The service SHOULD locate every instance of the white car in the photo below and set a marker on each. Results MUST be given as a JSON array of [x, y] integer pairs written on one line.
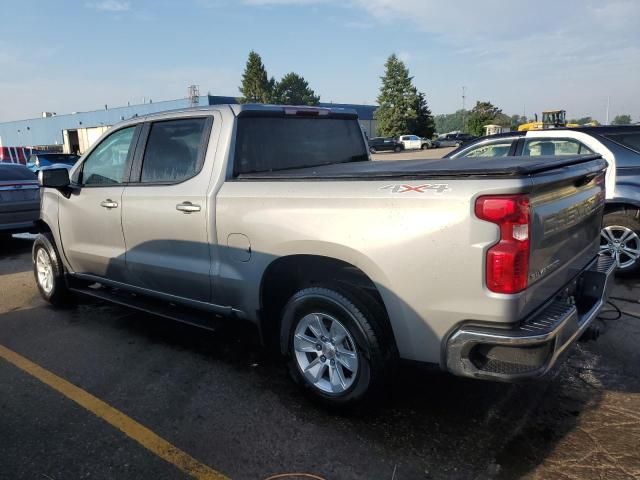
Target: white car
[[414, 142]]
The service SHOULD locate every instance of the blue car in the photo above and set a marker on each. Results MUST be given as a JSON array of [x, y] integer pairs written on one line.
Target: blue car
[[40, 160]]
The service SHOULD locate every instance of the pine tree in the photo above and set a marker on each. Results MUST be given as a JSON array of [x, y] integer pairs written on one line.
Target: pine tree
[[424, 124], [397, 111], [256, 87], [293, 89]]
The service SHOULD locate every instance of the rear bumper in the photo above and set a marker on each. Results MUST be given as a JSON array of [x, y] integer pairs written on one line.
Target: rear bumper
[[534, 345]]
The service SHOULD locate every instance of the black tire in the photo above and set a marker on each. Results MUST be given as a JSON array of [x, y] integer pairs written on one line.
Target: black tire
[[629, 220], [364, 319], [425, 146], [397, 149], [59, 294], [373, 150]]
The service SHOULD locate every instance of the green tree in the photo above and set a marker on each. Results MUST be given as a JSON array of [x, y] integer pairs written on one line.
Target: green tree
[[622, 120], [517, 120], [581, 120], [482, 114], [256, 87], [397, 99], [423, 125], [450, 122], [293, 89]]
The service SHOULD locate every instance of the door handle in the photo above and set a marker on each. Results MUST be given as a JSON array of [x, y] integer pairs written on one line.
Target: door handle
[[108, 203], [187, 207]]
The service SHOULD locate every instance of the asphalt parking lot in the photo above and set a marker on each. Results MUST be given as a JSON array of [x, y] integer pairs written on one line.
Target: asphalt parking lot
[[220, 400]]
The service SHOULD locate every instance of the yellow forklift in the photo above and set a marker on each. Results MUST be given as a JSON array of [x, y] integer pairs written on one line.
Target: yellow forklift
[[550, 119]]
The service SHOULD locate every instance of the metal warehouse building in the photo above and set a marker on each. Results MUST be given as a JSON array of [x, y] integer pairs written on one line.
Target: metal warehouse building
[[77, 131]]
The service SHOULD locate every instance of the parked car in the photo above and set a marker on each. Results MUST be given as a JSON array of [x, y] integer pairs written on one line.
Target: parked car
[[276, 215], [385, 144], [414, 142], [19, 199], [452, 140], [619, 145], [40, 160]]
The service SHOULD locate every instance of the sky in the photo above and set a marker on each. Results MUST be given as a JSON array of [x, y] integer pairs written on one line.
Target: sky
[[524, 57]]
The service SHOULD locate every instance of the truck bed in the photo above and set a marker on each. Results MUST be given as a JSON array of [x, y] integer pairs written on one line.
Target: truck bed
[[512, 167]]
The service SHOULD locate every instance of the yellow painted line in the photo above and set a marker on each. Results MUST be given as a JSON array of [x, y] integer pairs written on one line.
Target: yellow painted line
[[116, 418]]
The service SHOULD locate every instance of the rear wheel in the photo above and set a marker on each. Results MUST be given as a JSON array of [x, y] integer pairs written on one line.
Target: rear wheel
[[425, 146], [49, 272], [336, 345], [397, 149], [620, 239], [373, 150]]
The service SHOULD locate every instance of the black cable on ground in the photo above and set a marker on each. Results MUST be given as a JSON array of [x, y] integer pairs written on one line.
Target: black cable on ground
[[617, 313]]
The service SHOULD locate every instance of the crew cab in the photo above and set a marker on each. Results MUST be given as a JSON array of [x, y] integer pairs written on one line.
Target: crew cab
[[619, 145], [276, 215]]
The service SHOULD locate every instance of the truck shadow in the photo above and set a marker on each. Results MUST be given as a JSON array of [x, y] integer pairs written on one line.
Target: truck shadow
[[428, 421]]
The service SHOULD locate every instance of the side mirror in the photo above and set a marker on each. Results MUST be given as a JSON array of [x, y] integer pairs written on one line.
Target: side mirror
[[54, 178]]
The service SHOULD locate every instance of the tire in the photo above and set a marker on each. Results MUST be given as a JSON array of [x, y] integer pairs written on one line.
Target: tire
[[373, 150], [346, 371], [49, 271], [397, 149], [424, 146], [620, 239]]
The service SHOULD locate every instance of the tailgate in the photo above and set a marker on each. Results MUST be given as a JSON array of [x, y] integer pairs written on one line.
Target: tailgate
[[566, 216]]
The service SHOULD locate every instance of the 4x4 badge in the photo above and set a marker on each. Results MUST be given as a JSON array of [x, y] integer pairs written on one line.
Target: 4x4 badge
[[403, 188]]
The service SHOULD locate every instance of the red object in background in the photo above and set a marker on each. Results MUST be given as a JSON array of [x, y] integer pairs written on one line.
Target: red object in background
[[16, 154]]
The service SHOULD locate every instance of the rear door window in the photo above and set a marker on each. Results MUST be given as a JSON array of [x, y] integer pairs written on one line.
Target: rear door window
[[551, 146], [266, 144], [493, 149], [175, 150]]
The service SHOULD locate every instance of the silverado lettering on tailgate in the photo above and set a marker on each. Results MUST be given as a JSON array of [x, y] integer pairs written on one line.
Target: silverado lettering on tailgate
[[572, 215]]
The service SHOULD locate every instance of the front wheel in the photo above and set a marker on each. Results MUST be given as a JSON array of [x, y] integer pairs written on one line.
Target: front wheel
[[397, 149], [49, 272], [620, 239], [336, 345], [373, 150]]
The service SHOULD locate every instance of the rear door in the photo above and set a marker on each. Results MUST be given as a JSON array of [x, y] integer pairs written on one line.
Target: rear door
[[166, 211], [90, 218]]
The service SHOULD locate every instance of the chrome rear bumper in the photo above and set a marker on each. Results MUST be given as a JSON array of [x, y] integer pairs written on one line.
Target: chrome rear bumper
[[533, 346]]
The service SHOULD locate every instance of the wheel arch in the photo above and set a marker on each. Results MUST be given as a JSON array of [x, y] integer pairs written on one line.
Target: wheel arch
[[288, 274]]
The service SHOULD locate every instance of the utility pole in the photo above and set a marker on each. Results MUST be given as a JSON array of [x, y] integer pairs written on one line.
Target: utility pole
[[608, 103], [463, 107]]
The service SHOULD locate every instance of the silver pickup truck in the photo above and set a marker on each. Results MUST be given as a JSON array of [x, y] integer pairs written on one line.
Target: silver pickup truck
[[277, 215]]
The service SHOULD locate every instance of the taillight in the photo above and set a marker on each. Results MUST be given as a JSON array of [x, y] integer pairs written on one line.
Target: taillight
[[508, 260]]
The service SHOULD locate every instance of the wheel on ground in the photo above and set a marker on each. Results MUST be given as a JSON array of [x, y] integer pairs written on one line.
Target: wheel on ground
[[49, 272], [620, 239], [335, 344], [424, 146], [397, 149], [373, 150]]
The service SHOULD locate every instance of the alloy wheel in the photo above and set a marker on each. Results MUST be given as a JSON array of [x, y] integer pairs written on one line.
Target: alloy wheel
[[325, 353], [44, 270], [620, 243]]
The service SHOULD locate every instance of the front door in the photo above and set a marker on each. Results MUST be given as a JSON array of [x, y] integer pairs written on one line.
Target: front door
[[165, 210], [90, 219]]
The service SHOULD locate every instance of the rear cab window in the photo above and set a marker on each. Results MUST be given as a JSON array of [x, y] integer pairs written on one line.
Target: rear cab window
[[271, 143]]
